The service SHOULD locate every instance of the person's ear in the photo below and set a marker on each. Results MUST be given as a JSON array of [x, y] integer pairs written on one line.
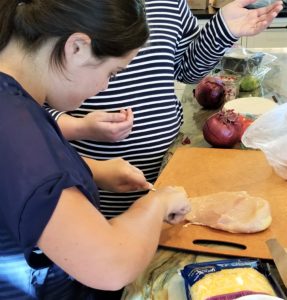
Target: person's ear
[[78, 49]]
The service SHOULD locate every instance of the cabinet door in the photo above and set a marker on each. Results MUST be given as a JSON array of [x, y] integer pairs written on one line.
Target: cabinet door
[[271, 38], [274, 36]]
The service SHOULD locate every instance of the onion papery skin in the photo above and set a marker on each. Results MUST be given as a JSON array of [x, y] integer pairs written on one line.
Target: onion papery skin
[[222, 132]]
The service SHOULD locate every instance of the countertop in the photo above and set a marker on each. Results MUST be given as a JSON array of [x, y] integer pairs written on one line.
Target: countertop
[[273, 84], [161, 280]]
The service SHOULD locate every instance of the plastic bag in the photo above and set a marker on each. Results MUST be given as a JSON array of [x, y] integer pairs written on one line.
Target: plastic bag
[[247, 67], [229, 279], [241, 61], [269, 134]]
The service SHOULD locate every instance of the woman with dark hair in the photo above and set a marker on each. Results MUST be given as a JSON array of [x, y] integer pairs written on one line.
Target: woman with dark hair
[[53, 239], [139, 116]]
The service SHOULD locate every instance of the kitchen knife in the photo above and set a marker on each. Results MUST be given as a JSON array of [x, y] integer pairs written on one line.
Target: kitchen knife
[[279, 256]]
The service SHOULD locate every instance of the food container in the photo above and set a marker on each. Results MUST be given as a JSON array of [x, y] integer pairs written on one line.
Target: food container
[[250, 107], [230, 279], [231, 83]]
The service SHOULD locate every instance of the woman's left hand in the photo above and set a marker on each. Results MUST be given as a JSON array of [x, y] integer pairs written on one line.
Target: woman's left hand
[[247, 22]]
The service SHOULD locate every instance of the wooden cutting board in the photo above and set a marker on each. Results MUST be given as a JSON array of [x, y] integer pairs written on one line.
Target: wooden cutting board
[[204, 171]]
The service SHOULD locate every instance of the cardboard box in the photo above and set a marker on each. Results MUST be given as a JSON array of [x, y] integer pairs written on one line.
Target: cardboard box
[[198, 4]]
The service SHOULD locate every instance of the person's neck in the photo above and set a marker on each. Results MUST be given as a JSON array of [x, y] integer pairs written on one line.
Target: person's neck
[[25, 69]]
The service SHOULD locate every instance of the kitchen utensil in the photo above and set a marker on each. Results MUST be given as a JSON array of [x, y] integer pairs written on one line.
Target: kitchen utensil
[[279, 256]]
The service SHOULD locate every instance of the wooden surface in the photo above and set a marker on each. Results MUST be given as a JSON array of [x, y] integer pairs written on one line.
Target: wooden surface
[[208, 170]]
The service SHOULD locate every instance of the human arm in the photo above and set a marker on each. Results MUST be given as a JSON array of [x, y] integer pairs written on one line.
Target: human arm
[[108, 254], [117, 175], [199, 51], [98, 125]]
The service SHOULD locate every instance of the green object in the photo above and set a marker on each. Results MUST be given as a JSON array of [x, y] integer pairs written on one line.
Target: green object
[[249, 83]]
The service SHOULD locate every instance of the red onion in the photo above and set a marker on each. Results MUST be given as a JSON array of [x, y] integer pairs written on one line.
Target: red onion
[[210, 92], [223, 129]]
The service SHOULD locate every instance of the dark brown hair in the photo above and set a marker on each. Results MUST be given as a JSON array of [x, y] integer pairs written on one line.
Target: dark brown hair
[[114, 26]]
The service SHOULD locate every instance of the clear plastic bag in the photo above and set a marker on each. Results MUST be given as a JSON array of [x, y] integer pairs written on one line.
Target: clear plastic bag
[[229, 279], [241, 61], [249, 68], [269, 134]]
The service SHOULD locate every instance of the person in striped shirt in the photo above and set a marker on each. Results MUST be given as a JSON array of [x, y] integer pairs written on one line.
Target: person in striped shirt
[[139, 116], [54, 242]]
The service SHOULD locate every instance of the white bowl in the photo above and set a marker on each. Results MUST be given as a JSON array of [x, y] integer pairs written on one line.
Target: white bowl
[[250, 106]]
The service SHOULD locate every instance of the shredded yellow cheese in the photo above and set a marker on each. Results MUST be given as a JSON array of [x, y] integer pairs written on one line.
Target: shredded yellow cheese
[[231, 281]]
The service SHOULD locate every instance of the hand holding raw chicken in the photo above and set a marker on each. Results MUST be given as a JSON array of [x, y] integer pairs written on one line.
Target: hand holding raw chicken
[[176, 203]]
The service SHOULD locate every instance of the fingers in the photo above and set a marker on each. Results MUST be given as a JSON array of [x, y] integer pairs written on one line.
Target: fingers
[[177, 203], [115, 116], [129, 114], [118, 132], [147, 186], [124, 115], [256, 20], [134, 180], [271, 10], [174, 218], [244, 3], [265, 17], [114, 126], [139, 181]]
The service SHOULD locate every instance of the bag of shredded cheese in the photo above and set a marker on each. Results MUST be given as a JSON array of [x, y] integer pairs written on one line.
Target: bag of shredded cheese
[[226, 280]]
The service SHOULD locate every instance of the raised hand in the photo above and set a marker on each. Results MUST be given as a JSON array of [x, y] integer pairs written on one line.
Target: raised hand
[[247, 22]]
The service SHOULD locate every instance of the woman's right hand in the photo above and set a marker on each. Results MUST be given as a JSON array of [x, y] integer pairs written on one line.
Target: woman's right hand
[[175, 201]]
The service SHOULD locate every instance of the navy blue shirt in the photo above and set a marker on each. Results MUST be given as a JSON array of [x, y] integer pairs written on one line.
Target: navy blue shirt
[[36, 165]]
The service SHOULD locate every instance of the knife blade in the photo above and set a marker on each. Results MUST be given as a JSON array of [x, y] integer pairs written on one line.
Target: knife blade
[[279, 256]]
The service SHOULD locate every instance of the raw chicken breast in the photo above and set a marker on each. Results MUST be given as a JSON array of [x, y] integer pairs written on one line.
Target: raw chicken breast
[[236, 212]]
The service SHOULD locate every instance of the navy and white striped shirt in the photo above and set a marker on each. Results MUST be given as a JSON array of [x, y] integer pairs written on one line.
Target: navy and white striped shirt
[[177, 50]]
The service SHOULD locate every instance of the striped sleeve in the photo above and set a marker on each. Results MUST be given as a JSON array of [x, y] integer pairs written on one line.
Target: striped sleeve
[[53, 112], [200, 50]]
